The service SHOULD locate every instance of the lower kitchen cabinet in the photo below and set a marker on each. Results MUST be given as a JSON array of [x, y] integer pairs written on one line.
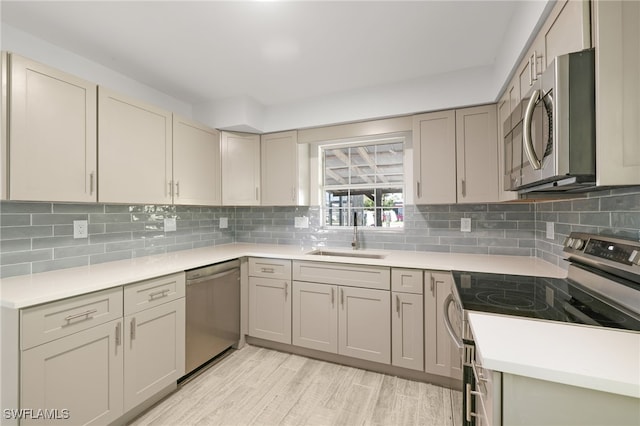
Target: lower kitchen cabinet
[[81, 373], [407, 331], [270, 309], [363, 324], [407, 319], [154, 351], [344, 320], [90, 364], [441, 355], [315, 316]]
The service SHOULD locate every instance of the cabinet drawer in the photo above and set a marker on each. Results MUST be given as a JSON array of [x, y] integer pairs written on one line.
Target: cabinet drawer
[[154, 292], [406, 280], [377, 277], [270, 268], [51, 321]]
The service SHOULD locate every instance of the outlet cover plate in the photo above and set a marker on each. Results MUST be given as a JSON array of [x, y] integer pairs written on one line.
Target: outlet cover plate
[[80, 229], [465, 224], [224, 222], [301, 222], [169, 224], [550, 231]]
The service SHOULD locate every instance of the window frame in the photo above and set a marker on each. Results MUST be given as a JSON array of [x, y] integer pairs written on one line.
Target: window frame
[[387, 139]]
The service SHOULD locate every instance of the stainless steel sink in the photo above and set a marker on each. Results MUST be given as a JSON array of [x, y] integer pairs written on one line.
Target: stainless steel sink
[[358, 254]]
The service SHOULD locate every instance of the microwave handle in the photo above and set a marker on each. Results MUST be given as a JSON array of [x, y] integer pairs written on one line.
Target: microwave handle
[[528, 141], [447, 321]]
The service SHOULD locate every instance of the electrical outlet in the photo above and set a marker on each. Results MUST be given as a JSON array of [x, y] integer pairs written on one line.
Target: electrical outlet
[[224, 222], [465, 224], [80, 229], [169, 224], [301, 222], [550, 231]]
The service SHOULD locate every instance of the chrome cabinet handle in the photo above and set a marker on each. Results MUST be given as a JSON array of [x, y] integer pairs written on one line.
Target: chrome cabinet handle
[[528, 141], [118, 334], [418, 189], [170, 192], [286, 289], [433, 287], [257, 195], [133, 328], [267, 270], [332, 296], [87, 314], [447, 322], [464, 188], [177, 188], [159, 294], [398, 305], [91, 177], [342, 298]]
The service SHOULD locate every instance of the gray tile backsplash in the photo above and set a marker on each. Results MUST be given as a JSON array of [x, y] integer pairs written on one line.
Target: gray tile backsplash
[[614, 212], [38, 237]]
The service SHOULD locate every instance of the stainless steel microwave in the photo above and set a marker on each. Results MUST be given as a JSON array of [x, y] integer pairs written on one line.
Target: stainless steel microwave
[[550, 137]]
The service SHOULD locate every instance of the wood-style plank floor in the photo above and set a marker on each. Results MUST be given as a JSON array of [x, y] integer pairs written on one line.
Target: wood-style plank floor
[[257, 386]]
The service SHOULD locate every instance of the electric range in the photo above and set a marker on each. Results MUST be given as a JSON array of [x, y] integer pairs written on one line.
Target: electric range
[[602, 289]]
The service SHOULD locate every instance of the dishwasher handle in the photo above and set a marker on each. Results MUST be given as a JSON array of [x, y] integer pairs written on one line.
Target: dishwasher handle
[[211, 277]]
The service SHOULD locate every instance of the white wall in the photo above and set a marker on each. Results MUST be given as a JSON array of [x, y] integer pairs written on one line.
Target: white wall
[[17, 41]]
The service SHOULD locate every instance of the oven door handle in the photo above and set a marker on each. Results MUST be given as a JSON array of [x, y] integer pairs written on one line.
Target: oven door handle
[[528, 141], [447, 321]]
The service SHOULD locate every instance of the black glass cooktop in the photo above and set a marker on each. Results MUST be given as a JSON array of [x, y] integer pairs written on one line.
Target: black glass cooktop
[[541, 298]]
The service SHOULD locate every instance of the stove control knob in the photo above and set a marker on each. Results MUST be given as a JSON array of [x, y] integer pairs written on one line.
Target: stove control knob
[[568, 242], [578, 244]]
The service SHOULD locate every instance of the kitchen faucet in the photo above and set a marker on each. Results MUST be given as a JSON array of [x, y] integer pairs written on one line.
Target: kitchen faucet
[[354, 243]]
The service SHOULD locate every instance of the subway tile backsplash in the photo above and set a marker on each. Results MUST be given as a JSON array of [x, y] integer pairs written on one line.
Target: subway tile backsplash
[[38, 237]]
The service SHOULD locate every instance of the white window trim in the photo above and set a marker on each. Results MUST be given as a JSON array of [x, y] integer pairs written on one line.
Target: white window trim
[[316, 171]]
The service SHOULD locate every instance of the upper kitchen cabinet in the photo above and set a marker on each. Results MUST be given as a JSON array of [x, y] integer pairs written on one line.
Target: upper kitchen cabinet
[[240, 169], [196, 163], [434, 154], [617, 42], [566, 30], [477, 154], [505, 147], [134, 151], [285, 170], [51, 141]]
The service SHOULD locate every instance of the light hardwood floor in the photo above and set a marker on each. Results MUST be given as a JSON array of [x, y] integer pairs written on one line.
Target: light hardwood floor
[[257, 386]]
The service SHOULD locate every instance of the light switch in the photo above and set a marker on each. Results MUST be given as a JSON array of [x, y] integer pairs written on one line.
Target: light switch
[[224, 222], [169, 224]]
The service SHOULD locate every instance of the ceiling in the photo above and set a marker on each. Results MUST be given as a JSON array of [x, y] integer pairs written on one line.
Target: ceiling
[[274, 53]]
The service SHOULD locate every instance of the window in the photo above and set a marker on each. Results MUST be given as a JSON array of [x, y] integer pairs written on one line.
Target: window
[[365, 179]]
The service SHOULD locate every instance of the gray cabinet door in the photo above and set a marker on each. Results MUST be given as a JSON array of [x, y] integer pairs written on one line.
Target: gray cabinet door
[[407, 331], [81, 373], [315, 316], [364, 329], [270, 309]]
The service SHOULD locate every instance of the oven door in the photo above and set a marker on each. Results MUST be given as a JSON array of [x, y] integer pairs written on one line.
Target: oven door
[[453, 316], [538, 157]]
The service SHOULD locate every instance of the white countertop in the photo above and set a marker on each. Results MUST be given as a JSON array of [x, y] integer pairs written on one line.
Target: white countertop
[[28, 290], [589, 357]]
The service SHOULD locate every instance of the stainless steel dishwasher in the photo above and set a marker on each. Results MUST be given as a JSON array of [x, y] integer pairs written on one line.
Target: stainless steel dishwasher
[[213, 312]]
